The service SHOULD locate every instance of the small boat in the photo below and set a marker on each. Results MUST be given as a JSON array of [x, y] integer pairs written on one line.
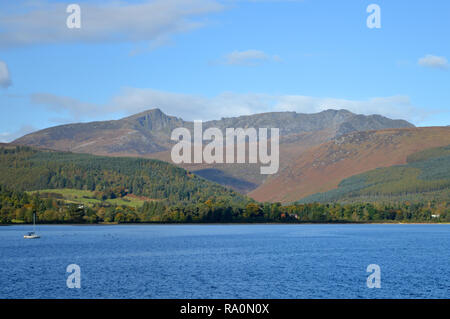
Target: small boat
[[32, 234]]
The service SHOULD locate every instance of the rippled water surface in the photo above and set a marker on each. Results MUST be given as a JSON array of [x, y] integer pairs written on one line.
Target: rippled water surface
[[226, 261]]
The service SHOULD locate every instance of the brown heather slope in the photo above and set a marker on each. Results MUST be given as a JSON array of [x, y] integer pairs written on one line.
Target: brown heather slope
[[322, 167], [247, 177]]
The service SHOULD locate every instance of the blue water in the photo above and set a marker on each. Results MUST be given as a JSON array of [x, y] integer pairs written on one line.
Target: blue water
[[226, 261]]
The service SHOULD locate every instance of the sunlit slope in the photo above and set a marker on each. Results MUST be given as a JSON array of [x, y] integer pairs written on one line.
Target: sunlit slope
[[425, 177], [322, 168]]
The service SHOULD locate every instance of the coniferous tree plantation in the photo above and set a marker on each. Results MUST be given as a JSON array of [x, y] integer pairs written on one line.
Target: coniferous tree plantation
[[27, 169]]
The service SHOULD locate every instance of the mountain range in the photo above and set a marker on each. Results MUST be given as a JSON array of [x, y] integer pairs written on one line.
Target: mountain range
[[317, 151], [149, 132]]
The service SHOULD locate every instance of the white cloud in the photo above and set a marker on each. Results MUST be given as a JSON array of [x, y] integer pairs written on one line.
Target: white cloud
[[433, 61], [76, 108], [7, 137], [5, 77], [44, 22], [248, 58], [227, 104], [189, 107]]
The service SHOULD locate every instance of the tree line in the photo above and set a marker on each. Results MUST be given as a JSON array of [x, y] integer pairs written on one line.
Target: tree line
[[19, 207]]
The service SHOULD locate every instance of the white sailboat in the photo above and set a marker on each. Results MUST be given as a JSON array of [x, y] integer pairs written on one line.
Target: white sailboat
[[32, 235]]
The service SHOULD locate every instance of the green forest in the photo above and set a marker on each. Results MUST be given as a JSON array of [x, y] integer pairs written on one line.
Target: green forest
[[26, 169]]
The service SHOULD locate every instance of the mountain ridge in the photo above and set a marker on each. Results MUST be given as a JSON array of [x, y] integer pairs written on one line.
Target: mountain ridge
[[154, 127]]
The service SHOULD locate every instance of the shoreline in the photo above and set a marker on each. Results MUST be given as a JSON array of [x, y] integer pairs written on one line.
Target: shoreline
[[230, 224]]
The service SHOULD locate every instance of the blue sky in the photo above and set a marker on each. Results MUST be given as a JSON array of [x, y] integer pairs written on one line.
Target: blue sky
[[206, 59]]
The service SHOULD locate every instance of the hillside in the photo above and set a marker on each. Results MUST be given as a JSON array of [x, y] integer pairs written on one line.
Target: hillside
[[321, 168], [425, 177], [140, 134], [147, 135], [27, 169]]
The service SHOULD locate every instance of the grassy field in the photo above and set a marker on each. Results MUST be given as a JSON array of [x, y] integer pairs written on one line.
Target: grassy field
[[87, 198]]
